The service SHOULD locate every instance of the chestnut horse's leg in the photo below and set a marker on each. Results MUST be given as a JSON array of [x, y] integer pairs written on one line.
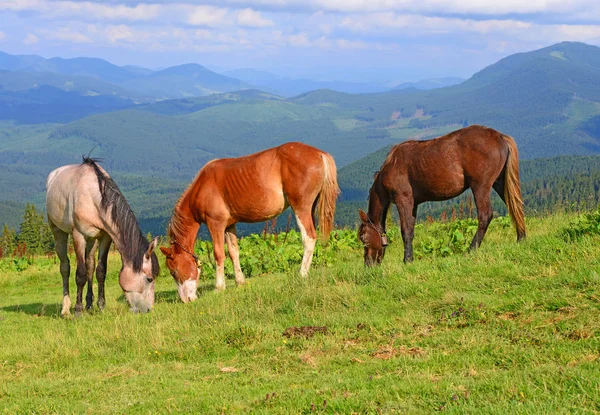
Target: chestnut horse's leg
[[103, 249], [79, 244], [234, 253], [309, 238], [61, 244], [217, 233], [407, 209], [485, 212], [90, 265]]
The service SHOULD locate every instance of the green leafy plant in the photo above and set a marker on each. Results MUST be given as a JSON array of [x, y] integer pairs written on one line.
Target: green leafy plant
[[585, 224]]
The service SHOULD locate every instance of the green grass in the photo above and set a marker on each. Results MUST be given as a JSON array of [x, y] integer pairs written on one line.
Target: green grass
[[512, 328]]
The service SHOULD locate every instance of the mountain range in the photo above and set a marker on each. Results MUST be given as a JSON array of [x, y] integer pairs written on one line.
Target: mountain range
[[548, 100]]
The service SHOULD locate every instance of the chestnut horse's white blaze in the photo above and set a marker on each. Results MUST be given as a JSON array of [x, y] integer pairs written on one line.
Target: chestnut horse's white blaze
[[82, 200], [253, 188]]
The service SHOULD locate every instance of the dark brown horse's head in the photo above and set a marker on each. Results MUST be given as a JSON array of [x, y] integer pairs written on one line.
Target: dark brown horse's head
[[185, 269], [373, 239]]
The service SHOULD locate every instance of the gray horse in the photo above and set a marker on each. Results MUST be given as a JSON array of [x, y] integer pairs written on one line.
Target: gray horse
[[84, 201]]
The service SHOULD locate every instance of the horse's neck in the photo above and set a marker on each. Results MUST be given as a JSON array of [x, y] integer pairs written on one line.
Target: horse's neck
[[188, 226], [379, 203], [121, 240]]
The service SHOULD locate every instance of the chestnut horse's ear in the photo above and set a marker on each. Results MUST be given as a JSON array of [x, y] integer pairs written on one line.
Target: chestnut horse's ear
[[363, 215], [166, 251], [152, 247]]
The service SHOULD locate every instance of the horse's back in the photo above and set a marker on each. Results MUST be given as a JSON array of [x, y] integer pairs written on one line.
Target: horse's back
[[272, 176], [72, 192], [443, 167]]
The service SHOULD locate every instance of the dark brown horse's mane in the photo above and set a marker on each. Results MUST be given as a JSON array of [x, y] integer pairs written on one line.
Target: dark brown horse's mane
[[133, 244]]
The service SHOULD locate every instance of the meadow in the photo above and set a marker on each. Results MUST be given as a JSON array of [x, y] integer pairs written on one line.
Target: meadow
[[511, 328]]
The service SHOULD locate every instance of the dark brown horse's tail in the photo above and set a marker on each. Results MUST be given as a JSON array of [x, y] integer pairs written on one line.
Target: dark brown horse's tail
[[512, 187], [327, 197]]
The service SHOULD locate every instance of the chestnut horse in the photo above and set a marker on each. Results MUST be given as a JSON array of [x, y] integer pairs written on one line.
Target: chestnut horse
[[84, 201], [414, 172], [253, 188]]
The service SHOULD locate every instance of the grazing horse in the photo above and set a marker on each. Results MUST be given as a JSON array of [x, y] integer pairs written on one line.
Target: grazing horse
[[414, 172], [253, 188], [84, 201]]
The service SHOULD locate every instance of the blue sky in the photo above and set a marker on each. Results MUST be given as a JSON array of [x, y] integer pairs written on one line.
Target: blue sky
[[385, 41]]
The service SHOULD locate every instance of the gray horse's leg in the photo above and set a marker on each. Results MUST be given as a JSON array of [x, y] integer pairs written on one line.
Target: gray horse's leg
[[61, 241], [90, 264], [103, 249], [79, 243]]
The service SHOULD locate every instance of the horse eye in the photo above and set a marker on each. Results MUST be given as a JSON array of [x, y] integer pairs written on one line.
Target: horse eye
[[149, 279]]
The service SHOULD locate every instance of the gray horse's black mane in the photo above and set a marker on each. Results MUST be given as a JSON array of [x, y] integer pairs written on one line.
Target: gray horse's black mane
[[133, 244]]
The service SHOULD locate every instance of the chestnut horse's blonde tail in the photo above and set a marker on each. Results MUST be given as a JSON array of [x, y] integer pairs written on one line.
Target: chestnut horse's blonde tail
[[512, 187], [327, 197]]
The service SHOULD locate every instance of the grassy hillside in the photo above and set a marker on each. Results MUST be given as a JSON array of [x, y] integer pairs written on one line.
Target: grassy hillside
[[549, 100], [512, 328]]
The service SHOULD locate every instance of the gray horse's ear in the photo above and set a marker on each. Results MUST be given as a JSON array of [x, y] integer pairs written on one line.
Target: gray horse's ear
[[363, 215], [152, 247]]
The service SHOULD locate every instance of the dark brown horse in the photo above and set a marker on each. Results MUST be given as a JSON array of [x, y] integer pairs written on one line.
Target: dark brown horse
[[414, 172], [253, 188]]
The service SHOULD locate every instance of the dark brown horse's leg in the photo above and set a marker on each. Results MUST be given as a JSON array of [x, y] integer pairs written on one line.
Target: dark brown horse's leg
[[499, 186], [217, 233], [90, 265], [407, 209], [103, 249], [79, 244], [234, 254], [484, 213], [61, 240]]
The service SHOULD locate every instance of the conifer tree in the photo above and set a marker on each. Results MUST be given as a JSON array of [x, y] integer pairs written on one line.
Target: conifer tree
[[8, 241], [34, 232]]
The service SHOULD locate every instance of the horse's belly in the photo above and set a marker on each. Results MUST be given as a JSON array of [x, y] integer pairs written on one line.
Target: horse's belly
[[263, 205], [60, 213], [441, 187]]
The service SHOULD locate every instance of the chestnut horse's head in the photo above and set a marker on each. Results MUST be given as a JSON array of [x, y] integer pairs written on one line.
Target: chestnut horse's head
[[373, 239], [185, 269]]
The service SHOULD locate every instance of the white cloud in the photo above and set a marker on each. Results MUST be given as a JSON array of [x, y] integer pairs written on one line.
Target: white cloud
[[299, 41], [486, 7], [203, 34], [575, 32], [206, 16], [66, 34], [31, 39], [418, 24], [119, 33], [251, 18], [85, 10]]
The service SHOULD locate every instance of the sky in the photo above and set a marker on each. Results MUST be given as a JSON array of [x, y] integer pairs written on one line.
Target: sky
[[383, 41]]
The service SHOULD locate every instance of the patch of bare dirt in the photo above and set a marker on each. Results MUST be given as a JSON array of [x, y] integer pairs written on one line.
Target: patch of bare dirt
[[304, 331], [388, 351]]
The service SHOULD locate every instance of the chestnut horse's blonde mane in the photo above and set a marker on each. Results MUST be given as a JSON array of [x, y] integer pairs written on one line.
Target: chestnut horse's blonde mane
[[177, 227]]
